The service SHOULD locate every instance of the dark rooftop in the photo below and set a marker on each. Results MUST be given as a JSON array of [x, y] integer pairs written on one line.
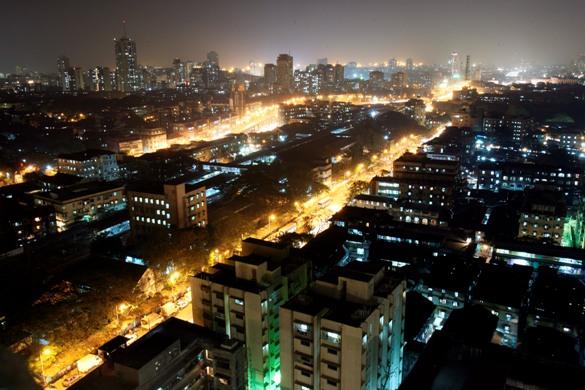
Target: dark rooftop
[[79, 191], [85, 155]]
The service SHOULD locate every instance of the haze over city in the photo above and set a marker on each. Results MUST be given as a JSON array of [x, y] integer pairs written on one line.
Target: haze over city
[[292, 195], [499, 32]]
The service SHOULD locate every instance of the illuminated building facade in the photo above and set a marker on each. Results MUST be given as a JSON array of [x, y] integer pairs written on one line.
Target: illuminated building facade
[[127, 72], [83, 202], [517, 176], [416, 109], [345, 332], [100, 79], [175, 204], [242, 297], [542, 217], [92, 164]]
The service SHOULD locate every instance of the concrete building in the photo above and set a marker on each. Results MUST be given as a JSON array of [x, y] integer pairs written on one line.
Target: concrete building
[[242, 299], [153, 139], [174, 355], [346, 332], [84, 202], [91, 164], [503, 290], [177, 204], [420, 179], [416, 109], [269, 76], [127, 72], [542, 217], [284, 72]]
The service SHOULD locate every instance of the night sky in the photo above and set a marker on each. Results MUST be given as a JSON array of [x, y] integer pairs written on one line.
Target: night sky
[[501, 32]]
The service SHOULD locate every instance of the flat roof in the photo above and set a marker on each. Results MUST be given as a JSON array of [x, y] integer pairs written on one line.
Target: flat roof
[[80, 190], [85, 155], [503, 285]]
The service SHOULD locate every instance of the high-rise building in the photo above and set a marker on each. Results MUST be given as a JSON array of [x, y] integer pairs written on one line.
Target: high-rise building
[[237, 98], [346, 332], [398, 80], [409, 64], [580, 63], [180, 76], [213, 57], [284, 72], [63, 67], [99, 79], [241, 298], [269, 76], [322, 61], [454, 64], [79, 81], [211, 71], [468, 68], [339, 74], [376, 80], [392, 64], [127, 72]]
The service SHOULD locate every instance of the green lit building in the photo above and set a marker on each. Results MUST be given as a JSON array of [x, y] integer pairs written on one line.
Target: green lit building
[[242, 297]]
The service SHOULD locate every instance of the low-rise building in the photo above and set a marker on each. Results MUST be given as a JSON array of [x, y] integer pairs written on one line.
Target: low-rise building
[[174, 355], [542, 217], [92, 164], [83, 202], [178, 204], [503, 290]]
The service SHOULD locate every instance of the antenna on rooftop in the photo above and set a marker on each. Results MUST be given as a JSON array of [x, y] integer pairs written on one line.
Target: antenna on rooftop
[[124, 27]]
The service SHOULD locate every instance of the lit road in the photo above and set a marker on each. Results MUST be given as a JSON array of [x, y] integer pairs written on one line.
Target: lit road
[[314, 214]]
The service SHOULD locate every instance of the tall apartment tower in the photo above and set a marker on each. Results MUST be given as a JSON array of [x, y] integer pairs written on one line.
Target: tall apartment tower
[[468, 68], [269, 76], [237, 99], [346, 332], [284, 72], [127, 74], [63, 66], [454, 64], [242, 297]]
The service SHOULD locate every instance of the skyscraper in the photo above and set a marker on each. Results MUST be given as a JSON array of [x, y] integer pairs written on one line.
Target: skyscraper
[[284, 72], [99, 79], [322, 61], [269, 74], [211, 71], [213, 57], [237, 98], [467, 68], [393, 63], [409, 64], [62, 66], [454, 63], [127, 75], [339, 74]]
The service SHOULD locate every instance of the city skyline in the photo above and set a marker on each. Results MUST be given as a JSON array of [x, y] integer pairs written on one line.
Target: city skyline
[[342, 32]]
